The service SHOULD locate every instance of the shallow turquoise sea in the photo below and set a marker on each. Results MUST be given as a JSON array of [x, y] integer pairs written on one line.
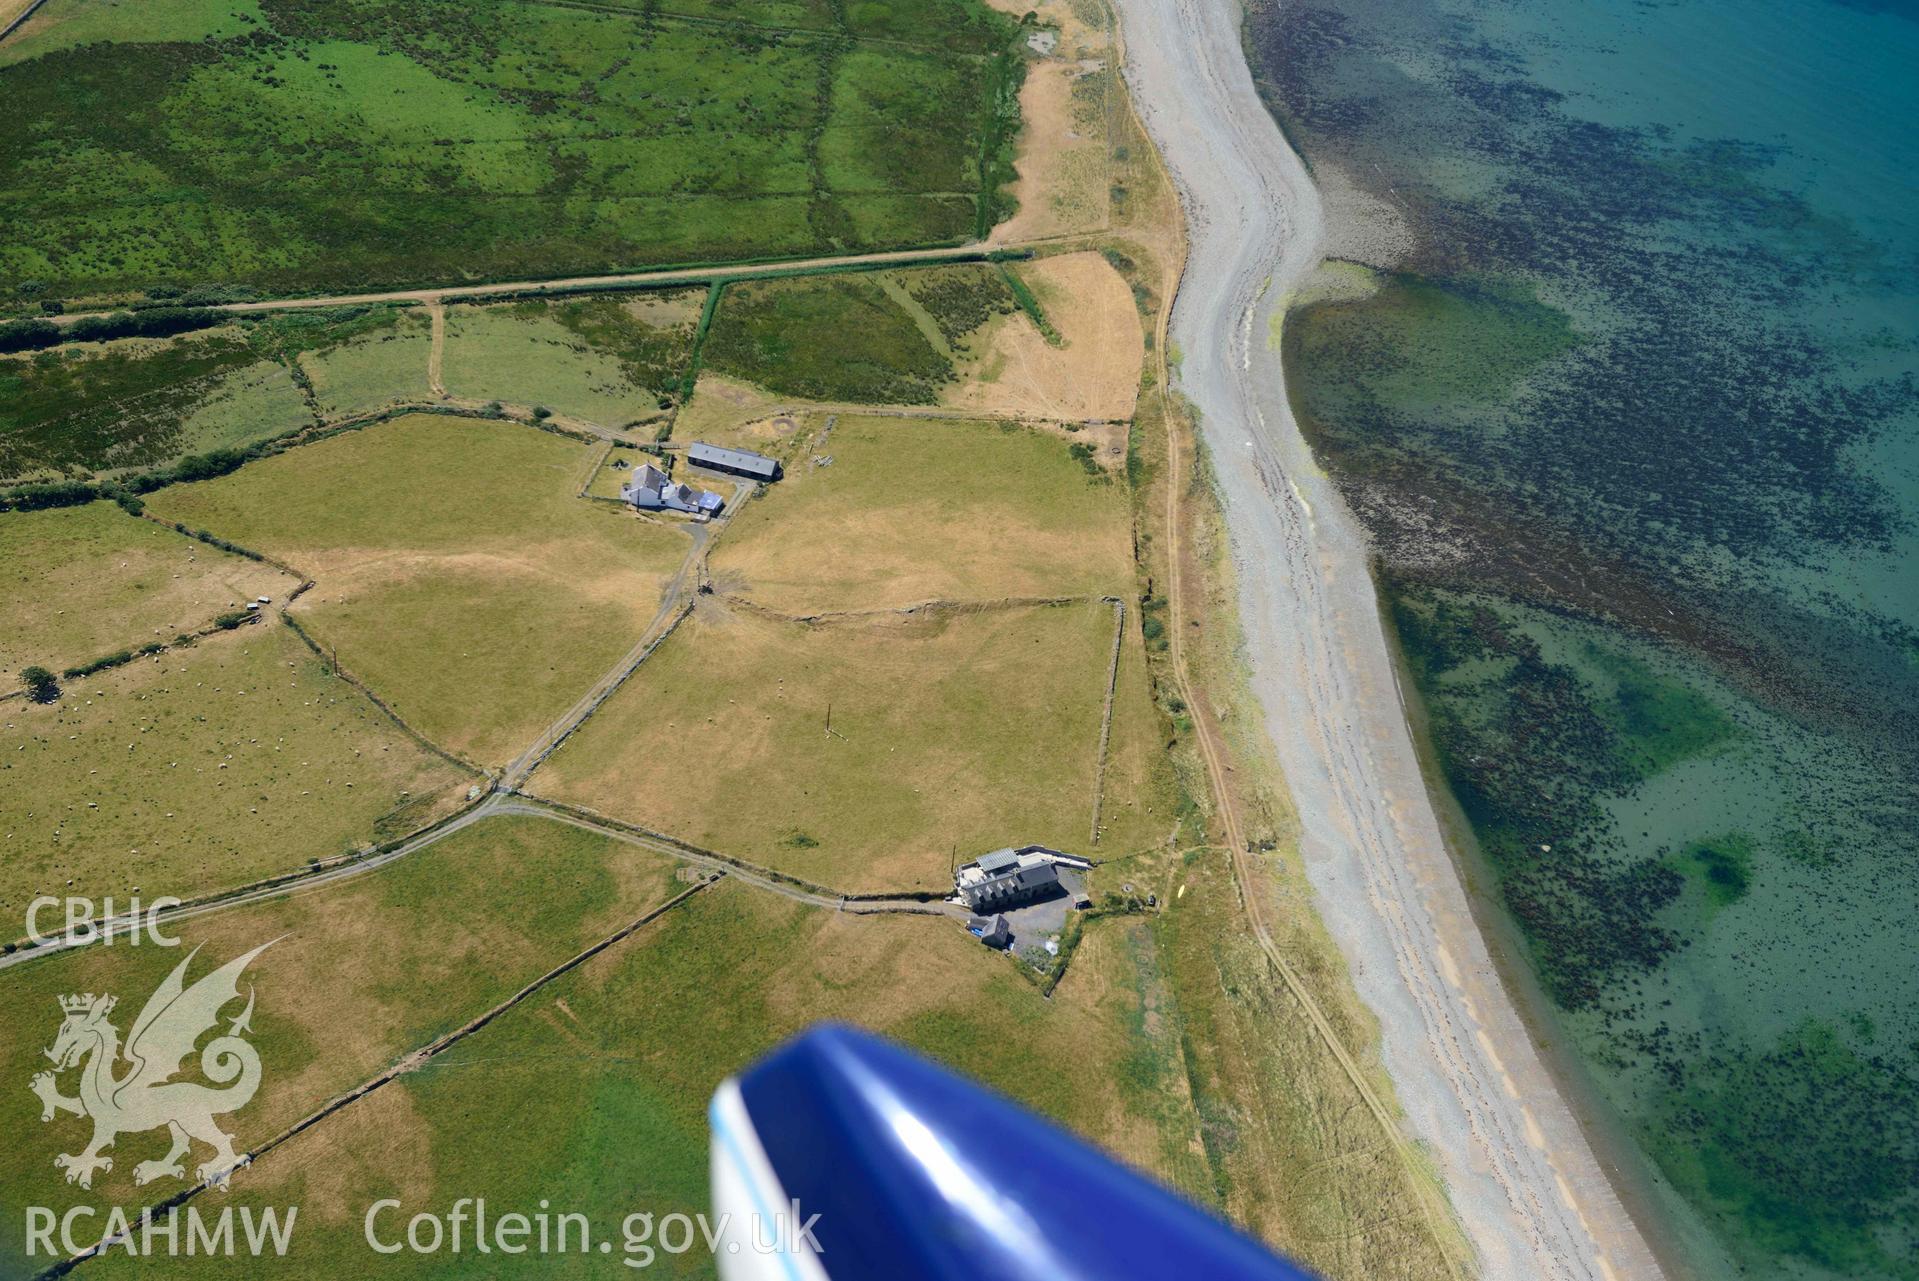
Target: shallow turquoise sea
[[1634, 420]]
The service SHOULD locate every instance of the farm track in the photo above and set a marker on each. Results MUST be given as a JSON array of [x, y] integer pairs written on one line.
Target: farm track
[[676, 601], [298, 883], [19, 19], [436, 354], [626, 280], [930, 413], [746, 873], [501, 805], [935, 606], [1106, 714], [675, 604]]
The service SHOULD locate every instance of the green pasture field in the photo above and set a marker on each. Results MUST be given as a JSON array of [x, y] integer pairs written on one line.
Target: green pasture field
[[363, 972], [605, 359], [920, 509], [77, 23], [312, 331], [953, 24], [79, 583], [206, 767], [326, 145], [1119, 973], [952, 734], [262, 401], [138, 402], [458, 574], [605, 1076], [375, 359], [829, 338]]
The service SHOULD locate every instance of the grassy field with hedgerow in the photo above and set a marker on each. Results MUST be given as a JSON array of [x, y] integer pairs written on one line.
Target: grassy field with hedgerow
[[201, 768], [336, 144], [456, 571], [608, 359], [358, 974], [534, 773], [609, 1068]]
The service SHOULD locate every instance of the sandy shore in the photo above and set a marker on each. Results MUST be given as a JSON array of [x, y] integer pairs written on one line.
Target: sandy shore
[[1521, 1174]]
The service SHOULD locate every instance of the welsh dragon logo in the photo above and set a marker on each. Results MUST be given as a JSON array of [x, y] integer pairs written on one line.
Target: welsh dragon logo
[[128, 1089]]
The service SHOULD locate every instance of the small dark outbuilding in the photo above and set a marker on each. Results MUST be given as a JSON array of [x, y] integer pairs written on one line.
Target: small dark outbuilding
[[990, 930]]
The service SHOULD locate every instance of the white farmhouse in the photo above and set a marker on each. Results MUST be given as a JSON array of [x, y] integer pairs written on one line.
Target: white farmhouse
[[651, 490]]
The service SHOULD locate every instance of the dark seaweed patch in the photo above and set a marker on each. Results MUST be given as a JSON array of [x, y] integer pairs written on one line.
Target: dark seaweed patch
[[1530, 757], [1809, 1143], [1726, 864]]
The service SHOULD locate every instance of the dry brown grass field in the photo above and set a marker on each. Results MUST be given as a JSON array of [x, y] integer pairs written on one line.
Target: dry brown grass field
[[1063, 165], [202, 768], [1140, 788], [952, 734], [726, 411], [929, 509], [1069, 107], [12, 9], [78, 583], [1094, 371], [610, 1069], [360, 973], [458, 573], [1297, 1159]]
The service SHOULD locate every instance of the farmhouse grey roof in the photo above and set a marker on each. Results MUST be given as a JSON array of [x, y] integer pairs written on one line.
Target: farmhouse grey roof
[[651, 490], [738, 461], [1004, 878]]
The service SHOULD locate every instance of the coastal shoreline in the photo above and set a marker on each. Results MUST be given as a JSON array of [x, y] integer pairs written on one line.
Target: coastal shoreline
[[1475, 1090]]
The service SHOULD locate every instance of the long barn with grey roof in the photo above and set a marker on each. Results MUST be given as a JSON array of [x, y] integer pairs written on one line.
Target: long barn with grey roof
[[738, 462]]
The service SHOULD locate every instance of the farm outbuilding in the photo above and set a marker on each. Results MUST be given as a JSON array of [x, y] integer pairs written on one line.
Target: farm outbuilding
[[735, 462], [991, 931]]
